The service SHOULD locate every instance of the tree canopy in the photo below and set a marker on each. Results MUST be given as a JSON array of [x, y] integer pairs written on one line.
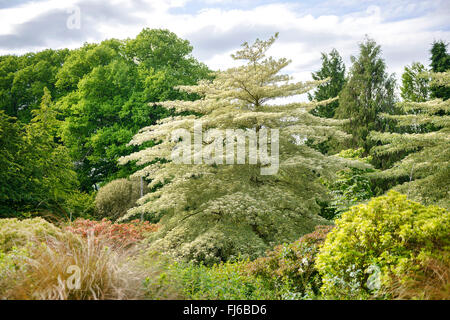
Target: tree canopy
[[112, 83], [333, 68], [38, 170], [440, 62], [368, 92], [212, 210], [425, 171]]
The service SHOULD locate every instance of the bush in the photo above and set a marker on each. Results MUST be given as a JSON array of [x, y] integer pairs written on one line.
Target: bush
[[114, 234], [223, 281], [115, 198], [43, 271], [80, 204], [380, 244], [36, 258], [17, 233], [293, 263], [351, 187]]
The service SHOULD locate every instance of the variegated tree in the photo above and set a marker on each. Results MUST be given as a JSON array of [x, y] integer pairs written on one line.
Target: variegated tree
[[211, 210], [425, 171]]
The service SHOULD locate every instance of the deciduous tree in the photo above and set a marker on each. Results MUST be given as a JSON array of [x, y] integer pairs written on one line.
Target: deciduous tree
[[333, 68], [212, 210]]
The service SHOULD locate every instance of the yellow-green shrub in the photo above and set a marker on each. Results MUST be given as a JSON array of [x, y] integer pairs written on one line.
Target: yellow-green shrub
[[293, 264], [115, 198], [379, 243], [16, 233]]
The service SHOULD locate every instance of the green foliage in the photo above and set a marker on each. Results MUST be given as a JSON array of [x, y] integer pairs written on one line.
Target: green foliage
[[215, 212], [293, 264], [424, 172], [440, 62], [38, 169], [351, 185], [23, 79], [368, 92], [116, 197], [53, 172], [224, 281], [17, 233], [112, 83], [415, 84], [333, 68], [374, 243], [80, 205], [161, 50], [82, 61], [11, 166]]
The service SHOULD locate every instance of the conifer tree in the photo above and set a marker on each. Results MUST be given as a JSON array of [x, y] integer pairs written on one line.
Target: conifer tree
[[440, 62], [333, 68], [211, 210], [425, 171], [368, 92], [38, 171]]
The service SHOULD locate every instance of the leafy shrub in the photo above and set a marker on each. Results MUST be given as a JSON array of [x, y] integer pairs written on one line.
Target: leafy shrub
[[115, 198], [80, 204], [35, 257], [293, 263], [387, 241], [114, 234], [223, 281], [17, 233], [159, 282]]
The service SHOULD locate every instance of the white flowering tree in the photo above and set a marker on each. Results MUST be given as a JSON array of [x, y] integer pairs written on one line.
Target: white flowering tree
[[213, 210], [425, 171]]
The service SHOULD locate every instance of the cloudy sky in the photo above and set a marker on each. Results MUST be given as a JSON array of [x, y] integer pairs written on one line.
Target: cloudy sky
[[405, 29]]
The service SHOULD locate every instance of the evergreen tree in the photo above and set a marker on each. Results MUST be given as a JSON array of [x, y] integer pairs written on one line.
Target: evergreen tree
[[415, 85], [23, 79], [425, 171], [39, 171], [12, 181], [211, 210], [440, 62], [333, 68], [51, 167], [368, 92]]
